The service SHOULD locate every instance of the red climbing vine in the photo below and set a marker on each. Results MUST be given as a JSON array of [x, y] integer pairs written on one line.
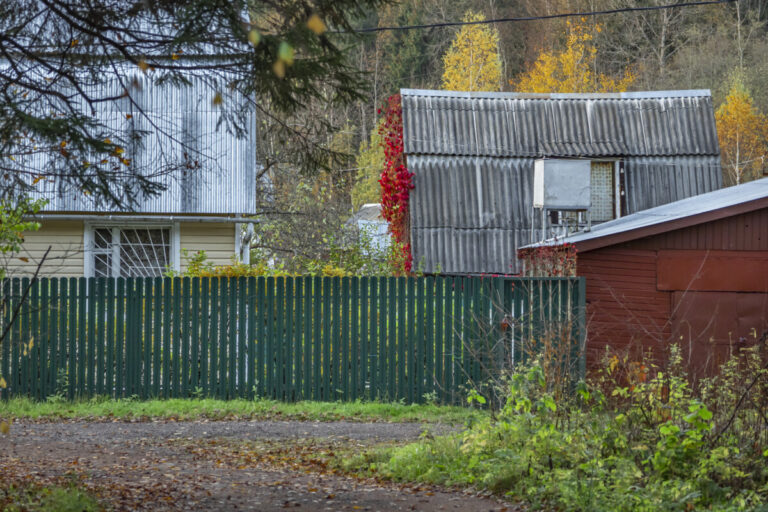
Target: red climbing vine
[[549, 260], [396, 183]]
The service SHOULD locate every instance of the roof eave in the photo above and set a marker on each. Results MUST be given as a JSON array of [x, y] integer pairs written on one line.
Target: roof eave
[[599, 242]]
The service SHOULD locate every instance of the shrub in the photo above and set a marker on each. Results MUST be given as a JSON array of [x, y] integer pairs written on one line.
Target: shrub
[[636, 437]]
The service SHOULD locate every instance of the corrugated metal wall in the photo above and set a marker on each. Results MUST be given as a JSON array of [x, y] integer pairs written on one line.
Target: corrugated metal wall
[[469, 215], [473, 157], [182, 125], [653, 181]]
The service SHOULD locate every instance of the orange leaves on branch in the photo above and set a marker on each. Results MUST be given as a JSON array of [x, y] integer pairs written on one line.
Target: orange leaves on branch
[[315, 24], [743, 134], [572, 69], [472, 63]]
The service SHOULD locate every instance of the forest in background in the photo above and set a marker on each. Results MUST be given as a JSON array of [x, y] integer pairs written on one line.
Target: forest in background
[[720, 47]]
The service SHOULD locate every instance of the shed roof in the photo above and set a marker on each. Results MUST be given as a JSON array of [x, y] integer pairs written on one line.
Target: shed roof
[[694, 210], [650, 123]]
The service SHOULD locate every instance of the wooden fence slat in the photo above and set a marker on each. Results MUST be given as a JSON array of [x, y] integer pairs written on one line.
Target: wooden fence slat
[[223, 338], [43, 357], [231, 339], [213, 340], [242, 326], [53, 340], [411, 332], [343, 384], [157, 345], [298, 329], [315, 348], [261, 376], [358, 375], [24, 338], [33, 341], [204, 382], [309, 326], [100, 311], [147, 307], [5, 359], [269, 360], [167, 328], [335, 387], [251, 339], [184, 334], [287, 338]]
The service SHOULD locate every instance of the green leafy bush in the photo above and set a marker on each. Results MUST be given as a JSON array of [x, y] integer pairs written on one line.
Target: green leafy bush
[[642, 439]]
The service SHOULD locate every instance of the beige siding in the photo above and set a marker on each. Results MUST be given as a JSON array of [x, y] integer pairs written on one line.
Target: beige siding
[[65, 258], [217, 240]]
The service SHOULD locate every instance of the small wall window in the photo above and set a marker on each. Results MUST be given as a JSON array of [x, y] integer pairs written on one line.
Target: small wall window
[[130, 251], [603, 191]]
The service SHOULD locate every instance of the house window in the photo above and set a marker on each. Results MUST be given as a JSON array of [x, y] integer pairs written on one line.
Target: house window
[[603, 191], [130, 251]]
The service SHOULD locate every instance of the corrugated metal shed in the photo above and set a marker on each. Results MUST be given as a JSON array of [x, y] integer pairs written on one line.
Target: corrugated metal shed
[[182, 124], [472, 155]]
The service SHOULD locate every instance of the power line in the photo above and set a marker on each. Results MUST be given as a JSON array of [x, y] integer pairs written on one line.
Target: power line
[[546, 17]]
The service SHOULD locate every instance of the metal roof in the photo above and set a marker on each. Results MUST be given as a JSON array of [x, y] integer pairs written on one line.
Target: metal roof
[[651, 123], [181, 124], [686, 212]]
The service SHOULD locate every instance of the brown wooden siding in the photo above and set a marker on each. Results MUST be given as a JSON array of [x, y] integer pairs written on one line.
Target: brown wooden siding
[[624, 308], [745, 232]]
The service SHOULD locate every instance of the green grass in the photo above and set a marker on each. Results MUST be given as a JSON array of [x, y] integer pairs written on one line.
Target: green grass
[[46, 499], [192, 409]]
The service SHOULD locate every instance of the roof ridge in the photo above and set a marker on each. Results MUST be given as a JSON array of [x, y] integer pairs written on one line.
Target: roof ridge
[[682, 93]]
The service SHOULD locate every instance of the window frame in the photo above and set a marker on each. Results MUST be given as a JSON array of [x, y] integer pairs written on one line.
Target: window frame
[[89, 230], [557, 217]]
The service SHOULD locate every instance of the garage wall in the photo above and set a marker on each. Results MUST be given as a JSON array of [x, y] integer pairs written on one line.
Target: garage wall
[[625, 310], [704, 287], [745, 232]]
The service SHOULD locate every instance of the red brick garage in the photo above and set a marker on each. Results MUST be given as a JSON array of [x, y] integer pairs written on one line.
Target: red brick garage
[[694, 271]]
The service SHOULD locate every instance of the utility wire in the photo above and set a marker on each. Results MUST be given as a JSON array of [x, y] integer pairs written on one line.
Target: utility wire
[[535, 18]]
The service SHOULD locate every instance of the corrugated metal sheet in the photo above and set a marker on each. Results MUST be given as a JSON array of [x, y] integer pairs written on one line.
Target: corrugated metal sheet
[[519, 125], [182, 125], [471, 214], [654, 181]]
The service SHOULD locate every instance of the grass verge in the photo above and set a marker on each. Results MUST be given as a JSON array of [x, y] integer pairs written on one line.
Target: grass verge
[[37, 498], [195, 409]]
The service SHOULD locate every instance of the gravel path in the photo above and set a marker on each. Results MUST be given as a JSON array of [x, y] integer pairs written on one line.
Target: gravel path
[[244, 430], [219, 465]]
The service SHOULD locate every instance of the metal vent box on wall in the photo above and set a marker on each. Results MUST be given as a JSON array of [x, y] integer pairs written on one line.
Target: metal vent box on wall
[[560, 184]]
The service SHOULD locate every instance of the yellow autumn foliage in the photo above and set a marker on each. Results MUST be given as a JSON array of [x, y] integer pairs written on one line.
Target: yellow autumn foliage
[[572, 69], [743, 135], [472, 62]]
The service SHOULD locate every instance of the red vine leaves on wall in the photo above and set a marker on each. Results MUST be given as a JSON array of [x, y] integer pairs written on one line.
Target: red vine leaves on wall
[[396, 183]]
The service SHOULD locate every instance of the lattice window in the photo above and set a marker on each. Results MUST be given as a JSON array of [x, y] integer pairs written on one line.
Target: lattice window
[[131, 251], [603, 192]]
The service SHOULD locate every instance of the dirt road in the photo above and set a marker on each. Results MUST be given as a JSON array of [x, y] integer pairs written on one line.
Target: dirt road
[[233, 465]]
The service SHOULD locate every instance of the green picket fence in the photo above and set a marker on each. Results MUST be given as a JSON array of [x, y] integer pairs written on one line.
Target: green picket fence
[[292, 338]]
